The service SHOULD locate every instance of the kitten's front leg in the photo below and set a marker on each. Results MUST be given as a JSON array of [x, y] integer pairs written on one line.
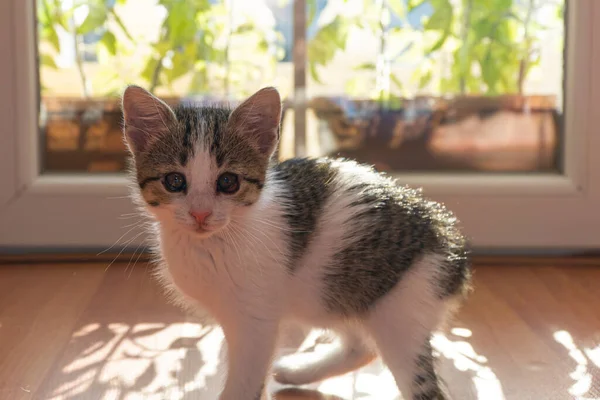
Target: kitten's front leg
[[251, 344]]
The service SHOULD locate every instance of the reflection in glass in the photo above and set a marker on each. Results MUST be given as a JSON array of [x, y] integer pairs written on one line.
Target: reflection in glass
[[434, 85]]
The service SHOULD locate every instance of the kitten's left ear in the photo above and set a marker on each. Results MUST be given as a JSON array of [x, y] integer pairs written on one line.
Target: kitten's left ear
[[146, 118], [258, 119]]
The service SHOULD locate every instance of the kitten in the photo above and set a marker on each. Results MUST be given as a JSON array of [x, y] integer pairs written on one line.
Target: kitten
[[326, 242]]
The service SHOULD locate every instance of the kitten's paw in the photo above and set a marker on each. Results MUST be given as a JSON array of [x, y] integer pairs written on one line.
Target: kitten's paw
[[324, 362], [297, 368]]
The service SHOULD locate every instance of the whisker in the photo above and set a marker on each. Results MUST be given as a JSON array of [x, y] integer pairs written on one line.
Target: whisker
[[131, 258], [118, 240], [147, 263], [262, 242], [123, 249], [255, 229], [227, 269], [126, 217], [237, 250], [253, 251], [137, 259], [240, 233], [140, 223]]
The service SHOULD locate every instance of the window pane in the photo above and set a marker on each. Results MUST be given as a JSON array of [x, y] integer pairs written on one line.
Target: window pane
[[183, 51], [434, 85], [437, 85]]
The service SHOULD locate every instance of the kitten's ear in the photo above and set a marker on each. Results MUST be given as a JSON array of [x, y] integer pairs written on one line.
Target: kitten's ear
[[146, 118], [258, 119]]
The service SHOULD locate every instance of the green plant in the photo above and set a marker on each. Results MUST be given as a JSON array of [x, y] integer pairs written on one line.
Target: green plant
[[332, 38], [486, 37], [198, 40], [529, 52], [53, 15], [494, 44]]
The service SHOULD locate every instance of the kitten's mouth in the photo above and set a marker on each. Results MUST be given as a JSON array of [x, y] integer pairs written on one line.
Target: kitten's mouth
[[204, 231]]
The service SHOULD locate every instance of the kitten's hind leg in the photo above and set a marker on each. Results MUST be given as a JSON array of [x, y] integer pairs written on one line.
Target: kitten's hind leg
[[402, 324], [346, 354], [415, 373]]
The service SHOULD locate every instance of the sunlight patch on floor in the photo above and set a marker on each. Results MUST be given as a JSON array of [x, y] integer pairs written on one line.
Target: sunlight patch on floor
[[185, 360], [583, 357], [148, 361], [465, 358]]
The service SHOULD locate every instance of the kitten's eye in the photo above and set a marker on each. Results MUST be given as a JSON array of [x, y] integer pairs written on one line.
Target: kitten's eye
[[228, 183], [174, 182]]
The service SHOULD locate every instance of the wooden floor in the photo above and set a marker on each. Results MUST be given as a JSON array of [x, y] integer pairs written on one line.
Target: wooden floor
[[77, 332]]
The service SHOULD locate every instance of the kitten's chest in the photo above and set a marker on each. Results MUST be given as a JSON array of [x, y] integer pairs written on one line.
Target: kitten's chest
[[215, 271], [194, 270]]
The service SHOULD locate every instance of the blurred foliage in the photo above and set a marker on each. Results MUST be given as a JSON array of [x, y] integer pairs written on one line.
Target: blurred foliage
[[196, 37], [485, 33], [55, 15], [492, 44], [195, 40]]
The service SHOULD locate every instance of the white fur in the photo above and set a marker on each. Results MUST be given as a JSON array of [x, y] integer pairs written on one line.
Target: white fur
[[238, 274], [402, 322]]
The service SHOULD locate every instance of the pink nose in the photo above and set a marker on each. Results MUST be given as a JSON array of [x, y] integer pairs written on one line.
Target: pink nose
[[200, 216]]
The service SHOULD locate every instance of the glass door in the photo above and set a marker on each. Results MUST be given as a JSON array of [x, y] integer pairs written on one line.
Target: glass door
[[487, 105]]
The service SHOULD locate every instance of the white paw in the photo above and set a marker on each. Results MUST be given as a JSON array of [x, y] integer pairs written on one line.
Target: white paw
[[297, 369]]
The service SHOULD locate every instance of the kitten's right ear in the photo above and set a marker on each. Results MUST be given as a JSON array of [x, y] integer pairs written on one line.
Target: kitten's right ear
[[146, 117]]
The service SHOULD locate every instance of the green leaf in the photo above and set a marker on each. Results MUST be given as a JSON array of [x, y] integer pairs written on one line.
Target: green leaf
[[148, 72], [394, 103], [330, 39], [109, 41], [43, 12], [49, 34], [181, 66], [441, 17], [181, 23], [489, 71], [162, 48], [412, 4], [396, 81], [47, 61], [397, 7], [95, 19], [425, 79], [354, 86], [311, 9], [263, 46], [199, 81], [244, 28], [440, 42], [314, 73], [560, 11], [365, 66], [121, 24], [190, 52]]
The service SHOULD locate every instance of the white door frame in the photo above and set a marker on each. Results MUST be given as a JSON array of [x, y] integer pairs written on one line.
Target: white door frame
[[498, 211]]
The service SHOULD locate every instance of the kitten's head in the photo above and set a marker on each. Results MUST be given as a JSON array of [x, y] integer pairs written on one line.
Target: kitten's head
[[199, 167]]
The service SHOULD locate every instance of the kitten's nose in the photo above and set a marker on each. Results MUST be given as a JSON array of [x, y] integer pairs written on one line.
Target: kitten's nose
[[200, 216]]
